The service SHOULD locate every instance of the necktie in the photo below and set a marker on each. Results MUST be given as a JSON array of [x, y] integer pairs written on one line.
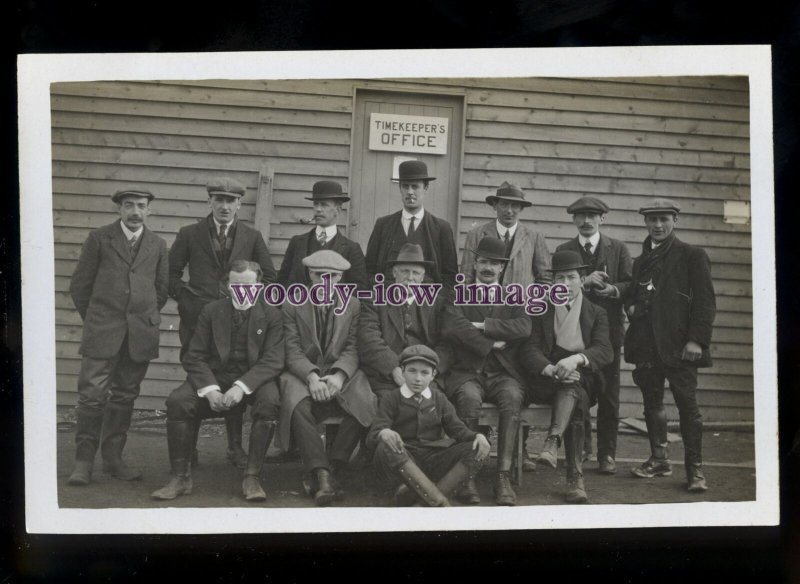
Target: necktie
[[588, 247], [322, 237], [222, 237], [568, 307], [132, 243], [418, 398], [411, 228], [507, 236]]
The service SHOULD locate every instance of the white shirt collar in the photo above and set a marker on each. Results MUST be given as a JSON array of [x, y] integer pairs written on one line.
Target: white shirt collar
[[217, 224], [654, 245], [407, 393], [330, 231], [128, 233], [419, 215], [501, 229], [594, 240]]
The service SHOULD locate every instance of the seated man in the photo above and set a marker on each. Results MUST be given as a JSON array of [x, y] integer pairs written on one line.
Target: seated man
[[416, 425], [485, 367], [568, 347], [234, 358], [322, 379]]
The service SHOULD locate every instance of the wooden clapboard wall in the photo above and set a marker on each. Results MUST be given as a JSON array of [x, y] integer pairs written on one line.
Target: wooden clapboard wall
[[621, 139]]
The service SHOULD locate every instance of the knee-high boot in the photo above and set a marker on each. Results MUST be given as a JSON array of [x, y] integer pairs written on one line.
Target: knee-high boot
[[573, 451], [116, 421], [507, 430], [233, 424], [87, 438], [179, 443], [468, 494], [418, 482], [261, 433]]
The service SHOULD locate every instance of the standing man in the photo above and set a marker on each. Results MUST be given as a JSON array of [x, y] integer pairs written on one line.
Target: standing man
[[485, 367], [609, 275], [327, 198], [119, 287], [208, 248], [413, 225], [671, 306]]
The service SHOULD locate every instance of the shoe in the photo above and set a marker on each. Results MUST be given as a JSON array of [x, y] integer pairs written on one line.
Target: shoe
[[116, 422], [576, 492], [528, 465], [177, 485], [405, 497], [549, 453], [653, 467], [586, 455], [327, 489], [607, 466], [504, 494], [252, 490], [468, 493], [82, 475], [697, 481]]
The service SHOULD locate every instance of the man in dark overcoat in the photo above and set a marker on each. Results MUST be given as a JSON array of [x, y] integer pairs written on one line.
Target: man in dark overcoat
[[208, 248], [607, 281], [671, 306], [327, 197], [119, 286], [322, 379], [413, 224]]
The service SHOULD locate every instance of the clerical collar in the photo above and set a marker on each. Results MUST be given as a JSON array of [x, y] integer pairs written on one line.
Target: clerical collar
[[330, 231], [419, 215], [594, 239], [128, 233], [501, 229], [408, 394]]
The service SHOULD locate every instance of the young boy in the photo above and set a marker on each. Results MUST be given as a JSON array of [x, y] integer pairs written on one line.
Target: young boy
[[417, 425]]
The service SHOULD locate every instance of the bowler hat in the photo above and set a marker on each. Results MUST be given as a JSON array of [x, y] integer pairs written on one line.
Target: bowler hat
[[660, 205], [327, 190], [587, 205], [413, 170], [491, 248], [509, 192], [410, 253], [133, 193], [225, 185], [419, 353], [326, 259], [567, 260]]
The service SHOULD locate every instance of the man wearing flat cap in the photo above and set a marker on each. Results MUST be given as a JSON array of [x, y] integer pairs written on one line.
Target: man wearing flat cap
[[327, 198], [119, 287], [671, 306], [608, 277], [322, 379], [209, 247], [529, 258], [485, 366], [413, 224]]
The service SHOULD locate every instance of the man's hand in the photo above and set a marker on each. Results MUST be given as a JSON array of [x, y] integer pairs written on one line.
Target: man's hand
[[606, 291], [317, 388], [482, 446], [499, 345], [216, 400], [596, 279], [397, 376], [567, 365], [481, 326], [631, 310], [233, 396], [334, 382], [392, 439], [691, 351]]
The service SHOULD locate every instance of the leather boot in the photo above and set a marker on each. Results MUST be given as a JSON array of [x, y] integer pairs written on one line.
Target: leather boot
[[507, 430], [87, 437], [455, 477], [573, 451], [418, 482], [179, 443], [327, 489], [261, 433], [549, 453], [235, 453], [528, 465], [116, 421], [195, 460], [695, 479], [468, 493]]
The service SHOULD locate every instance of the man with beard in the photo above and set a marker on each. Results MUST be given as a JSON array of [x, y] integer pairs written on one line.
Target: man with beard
[[671, 307]]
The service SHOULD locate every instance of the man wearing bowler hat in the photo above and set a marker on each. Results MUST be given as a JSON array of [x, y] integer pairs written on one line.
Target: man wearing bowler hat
[[609, 275], [209, 247], [671, 307], [327, 198], [119, 287], [485, 367], [413, 224], [564, 357]]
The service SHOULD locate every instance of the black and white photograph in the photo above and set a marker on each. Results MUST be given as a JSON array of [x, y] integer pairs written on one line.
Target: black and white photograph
[[620, 201]]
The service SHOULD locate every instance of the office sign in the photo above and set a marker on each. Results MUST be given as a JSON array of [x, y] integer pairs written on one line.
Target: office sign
[[400, 133]]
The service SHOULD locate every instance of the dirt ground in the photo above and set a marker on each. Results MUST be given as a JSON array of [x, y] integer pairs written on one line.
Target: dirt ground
[[729, 467]]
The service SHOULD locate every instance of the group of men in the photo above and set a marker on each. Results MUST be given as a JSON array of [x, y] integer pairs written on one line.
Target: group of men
[[407, 381]]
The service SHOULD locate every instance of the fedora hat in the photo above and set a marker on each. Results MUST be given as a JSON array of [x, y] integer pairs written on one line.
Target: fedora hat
[[509, 192], [410, 253], [567, 260], [132, 193], [327, 190], [491, 248], [413, 170]]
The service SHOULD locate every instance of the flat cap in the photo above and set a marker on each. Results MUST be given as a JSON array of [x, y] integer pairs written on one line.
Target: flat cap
[[132, 193], [587, 205], [326, 259], [419, 353], [660, 205], [225, 185]]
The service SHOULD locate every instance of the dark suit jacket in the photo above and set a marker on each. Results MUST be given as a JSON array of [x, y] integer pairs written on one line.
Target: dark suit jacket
[[535, 351], [683, 308], [440, 248], [293, 271], [192, 247], [117, 295], [615, 257], [210, 346], [471, 346]]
